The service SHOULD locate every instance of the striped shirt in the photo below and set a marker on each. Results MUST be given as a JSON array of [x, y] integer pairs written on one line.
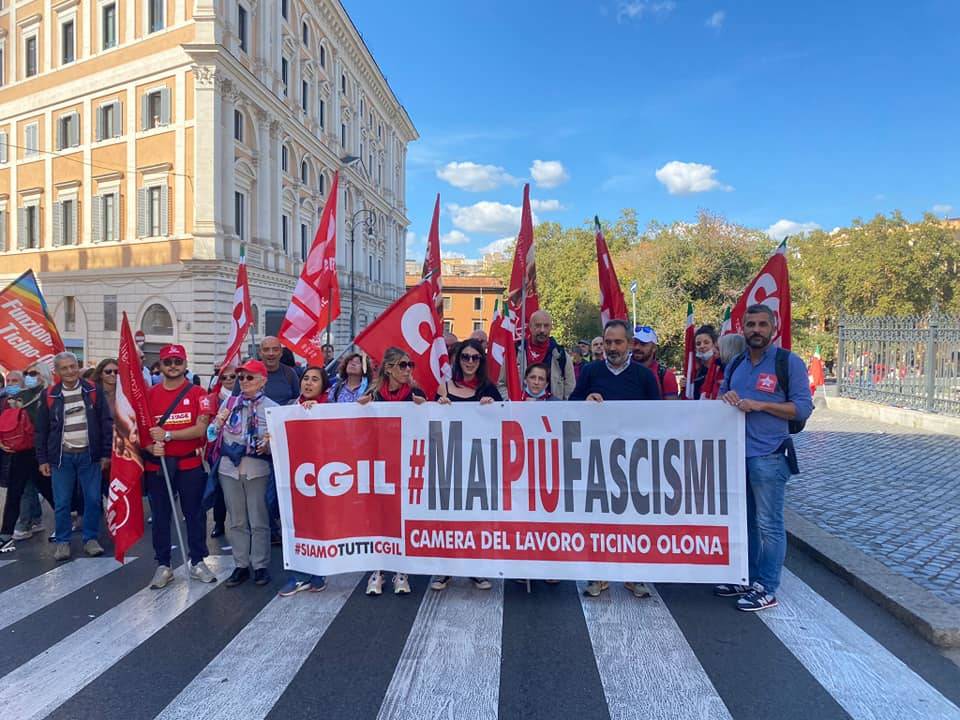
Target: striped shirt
[[74, 419]]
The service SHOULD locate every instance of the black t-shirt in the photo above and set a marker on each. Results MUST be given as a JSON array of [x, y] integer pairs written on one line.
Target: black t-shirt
[[489, 390]]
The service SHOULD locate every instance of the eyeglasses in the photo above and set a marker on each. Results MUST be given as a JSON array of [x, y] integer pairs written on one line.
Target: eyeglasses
[[249, 378], [32, 373], [171, 361], [471, 357], [232, 376], [404, 365], [108, 371]]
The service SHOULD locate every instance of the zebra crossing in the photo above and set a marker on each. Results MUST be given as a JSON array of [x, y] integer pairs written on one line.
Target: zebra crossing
[[195, 650]]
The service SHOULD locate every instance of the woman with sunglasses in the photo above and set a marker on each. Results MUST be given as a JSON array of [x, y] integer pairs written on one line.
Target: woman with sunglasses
[[353, 380], [221, 391], [313, 391], [393, 384], [105, 378]]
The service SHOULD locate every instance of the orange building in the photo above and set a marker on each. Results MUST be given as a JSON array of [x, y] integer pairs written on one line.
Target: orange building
[[468, 302]]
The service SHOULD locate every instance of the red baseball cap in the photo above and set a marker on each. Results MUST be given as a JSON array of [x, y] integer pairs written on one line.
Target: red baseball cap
[[254, 366], [173, 351]]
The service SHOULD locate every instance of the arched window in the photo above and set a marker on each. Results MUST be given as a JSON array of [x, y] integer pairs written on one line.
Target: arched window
[[323, 56], [304, 173], [305, 31], [322, 184], [284, 158], [157, 321]]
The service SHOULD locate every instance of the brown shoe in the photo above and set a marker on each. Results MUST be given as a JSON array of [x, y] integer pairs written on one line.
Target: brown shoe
[[92, 548], [62, 552]]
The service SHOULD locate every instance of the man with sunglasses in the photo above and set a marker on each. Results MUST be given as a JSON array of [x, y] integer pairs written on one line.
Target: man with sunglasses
[[180, 410]]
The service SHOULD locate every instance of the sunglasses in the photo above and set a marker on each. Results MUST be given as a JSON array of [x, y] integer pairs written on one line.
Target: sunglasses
[[249, 378], [108, 371], [32, 373], [472, 357], [232, 376], [404, 365], [171, 361]]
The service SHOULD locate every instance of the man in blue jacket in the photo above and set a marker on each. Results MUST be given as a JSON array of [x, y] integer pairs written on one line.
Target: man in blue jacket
[[74, 432]]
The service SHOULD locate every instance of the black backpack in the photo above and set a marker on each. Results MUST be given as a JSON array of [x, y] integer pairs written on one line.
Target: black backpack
[[782, 363]]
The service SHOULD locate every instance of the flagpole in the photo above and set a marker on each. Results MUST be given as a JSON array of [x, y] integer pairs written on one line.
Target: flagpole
[[176, 518], [523, 324], [329, 306]]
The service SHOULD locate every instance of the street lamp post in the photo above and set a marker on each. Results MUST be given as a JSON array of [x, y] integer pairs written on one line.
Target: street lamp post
[[370, 222]]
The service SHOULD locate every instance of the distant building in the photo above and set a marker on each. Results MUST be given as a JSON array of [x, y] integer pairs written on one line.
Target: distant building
[[468, 302]]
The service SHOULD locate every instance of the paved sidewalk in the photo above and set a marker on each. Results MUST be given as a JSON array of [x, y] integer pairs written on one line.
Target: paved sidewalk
[[891, 492]]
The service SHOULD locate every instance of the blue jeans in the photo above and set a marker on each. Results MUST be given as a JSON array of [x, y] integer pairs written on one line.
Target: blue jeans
[[76, 469], [767, 477]]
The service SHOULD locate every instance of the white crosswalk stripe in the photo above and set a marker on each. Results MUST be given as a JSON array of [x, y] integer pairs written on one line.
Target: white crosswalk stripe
[[645, 662], [863, 676], [450, 665], [3, 563], [249, 675], [53, 585], [40, 686]]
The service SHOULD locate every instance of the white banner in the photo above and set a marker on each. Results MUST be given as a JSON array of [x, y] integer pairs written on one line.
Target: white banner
[[649, 491]]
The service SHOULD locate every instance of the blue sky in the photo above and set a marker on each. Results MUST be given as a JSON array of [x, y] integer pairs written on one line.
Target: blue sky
[[807, 113]]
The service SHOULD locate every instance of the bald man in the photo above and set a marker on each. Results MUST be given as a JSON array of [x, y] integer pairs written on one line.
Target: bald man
[[282, 382], [543, 348]]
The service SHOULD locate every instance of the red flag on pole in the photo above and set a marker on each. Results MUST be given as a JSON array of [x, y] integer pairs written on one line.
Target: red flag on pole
[[612, 304], [27, 331], [242, 316], [689, 353], [522, 294], [503, 353], [131, 431], [316, 299], [412, 324], [431, 263], [771, 287]]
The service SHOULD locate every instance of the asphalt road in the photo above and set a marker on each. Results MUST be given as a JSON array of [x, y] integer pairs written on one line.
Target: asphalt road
[[86, 639]]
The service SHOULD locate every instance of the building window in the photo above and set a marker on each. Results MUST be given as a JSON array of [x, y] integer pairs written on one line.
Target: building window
[[285, 75], [379, 130], [110, 312], [155, 14], [447, 302], [3, 148], [448, 326], [238, 125], [155, 108], [323, 56], [361, 107], [305, 34], [31, 141], [304, 173], [239, 200], [304, 95], [108, 120], [3, 65], [285, 8], [285, 232], [157, 321], [67, 43], [478, 304], [343, 135], [28, 227], [284, 158], [304, 248], [322, 111], [3, 231], [321, 182], [30, 56], [65, 223], [68, 131], [104, 218], [343, 83], [152, 211], [108, 26], [379, 270], [370, 266], [242, 27], [70, 313]]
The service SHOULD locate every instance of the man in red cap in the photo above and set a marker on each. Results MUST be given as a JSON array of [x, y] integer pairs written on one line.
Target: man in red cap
[[180, 413]]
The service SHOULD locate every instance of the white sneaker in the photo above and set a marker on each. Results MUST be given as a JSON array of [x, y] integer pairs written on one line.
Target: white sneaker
[[201, 572], [639, 589], [481, 583], [161, 578], [401, 586], [22, 534], [375, 583], [440, 583]]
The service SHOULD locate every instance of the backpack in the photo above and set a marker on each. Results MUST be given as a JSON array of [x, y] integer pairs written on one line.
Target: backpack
[[16, 430], [782, 364]]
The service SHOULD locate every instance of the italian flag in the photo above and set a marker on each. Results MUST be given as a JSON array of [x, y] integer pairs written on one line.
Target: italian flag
[[727, 327]]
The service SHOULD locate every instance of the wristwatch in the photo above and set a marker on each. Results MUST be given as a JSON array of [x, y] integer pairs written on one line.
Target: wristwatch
[[167, 436]]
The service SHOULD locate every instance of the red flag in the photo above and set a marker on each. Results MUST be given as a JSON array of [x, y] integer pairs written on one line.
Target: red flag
[[523, 277], [27, 332], [316, 299], [503, 353], [131, 431], [431, 263], [242, 316], [689, 353], [612, 304], [411, 324], [771, 287]]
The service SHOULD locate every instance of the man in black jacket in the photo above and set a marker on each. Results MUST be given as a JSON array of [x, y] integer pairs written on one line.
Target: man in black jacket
[[74, 432]]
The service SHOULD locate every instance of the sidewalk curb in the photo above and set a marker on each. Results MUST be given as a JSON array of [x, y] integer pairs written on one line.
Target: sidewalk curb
[[933, 618]]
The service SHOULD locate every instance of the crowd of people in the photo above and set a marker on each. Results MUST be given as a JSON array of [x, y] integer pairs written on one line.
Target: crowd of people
[[213, 448]]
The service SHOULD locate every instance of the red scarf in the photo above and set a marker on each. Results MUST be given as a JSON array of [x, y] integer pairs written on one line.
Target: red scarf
[[537, 353], [545, 396], [710, 389], [473, 383], [402, 393], [322, 398]]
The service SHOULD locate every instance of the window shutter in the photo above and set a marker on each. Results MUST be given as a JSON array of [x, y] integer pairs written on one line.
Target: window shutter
[[164, 106], [117, 119], [144, 111], [164, 209], [75, 215], [142, 199], [3, 147], [96, 208], [31, 137], [75, 130], [60, 138], [3, 231], [21, 228], [100, 123], [116, 216], [57, 226]]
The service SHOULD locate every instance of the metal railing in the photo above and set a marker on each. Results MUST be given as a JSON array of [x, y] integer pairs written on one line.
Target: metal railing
[[911, 361]]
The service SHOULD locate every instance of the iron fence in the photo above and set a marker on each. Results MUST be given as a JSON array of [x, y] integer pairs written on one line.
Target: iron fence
[[911, 361]]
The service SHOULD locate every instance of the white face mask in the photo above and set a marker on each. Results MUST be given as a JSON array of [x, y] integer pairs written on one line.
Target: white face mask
[[704, 357]]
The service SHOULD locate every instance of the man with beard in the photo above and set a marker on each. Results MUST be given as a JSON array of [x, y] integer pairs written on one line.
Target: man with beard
[[541, 347], [645, 352], [769, 385]]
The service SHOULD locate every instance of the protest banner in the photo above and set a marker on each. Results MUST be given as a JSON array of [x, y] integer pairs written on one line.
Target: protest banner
[[650, 491]]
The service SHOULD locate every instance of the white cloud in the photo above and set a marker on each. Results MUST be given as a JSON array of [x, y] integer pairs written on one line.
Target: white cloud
[[473, 177], [503, 246], [637, 9], [546, 205], [450, 255], [942, 209], [715, 21], [548, 173], [782, 228], [454, 237], [683, 178], [486, 217], [411, 239]]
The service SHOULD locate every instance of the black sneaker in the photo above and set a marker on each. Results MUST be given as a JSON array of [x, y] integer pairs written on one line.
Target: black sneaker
[[756, 599], [7, 545], [218, 530], [731, 590], [261, 576], [239, 576], [276, 539]]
